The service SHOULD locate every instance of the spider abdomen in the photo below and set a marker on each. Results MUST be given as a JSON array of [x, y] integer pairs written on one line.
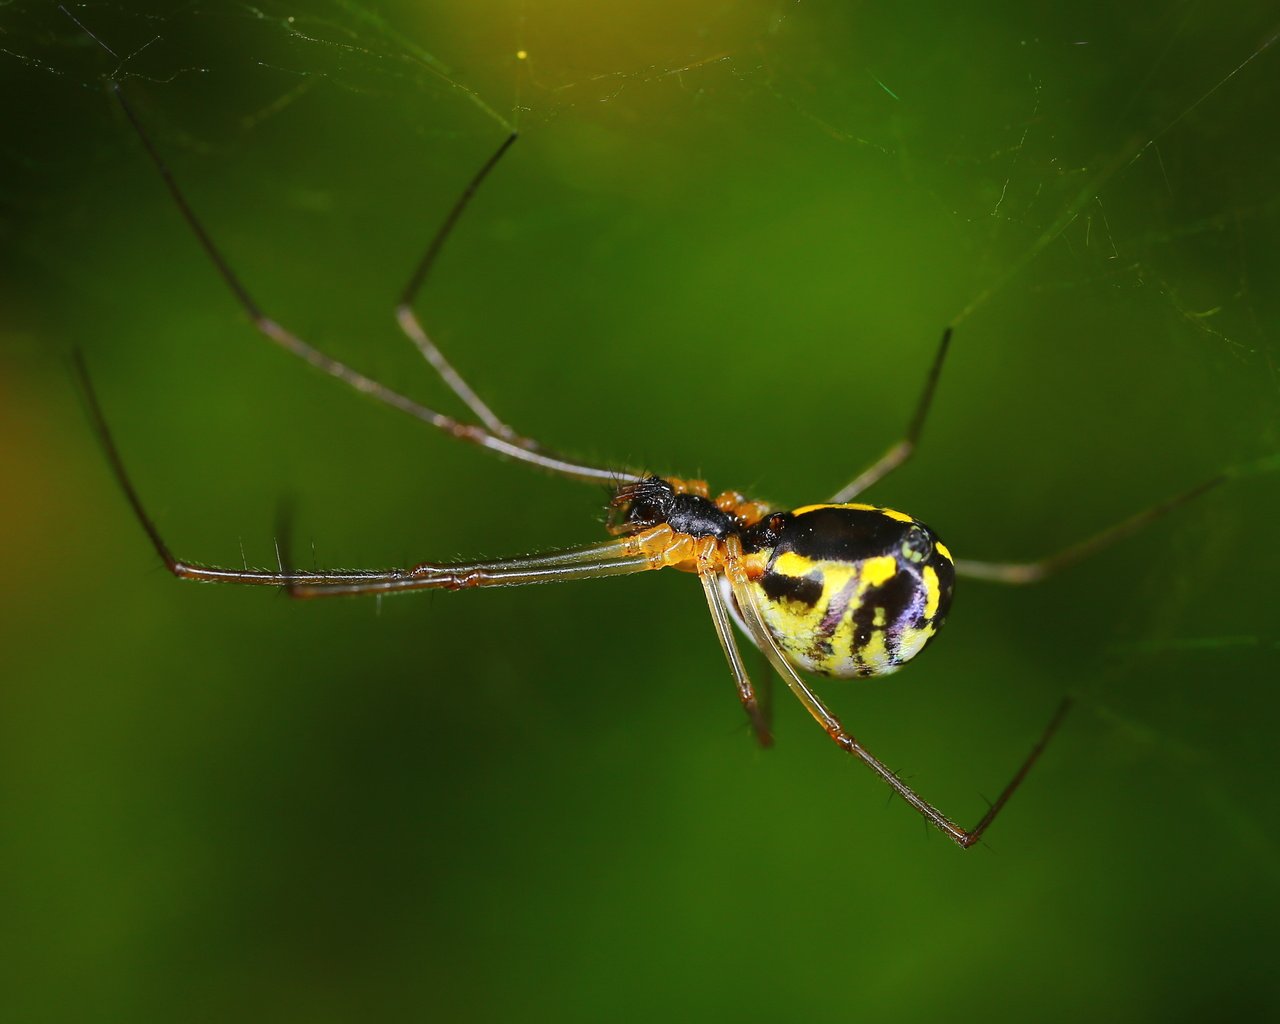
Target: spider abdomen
[[853, 590]]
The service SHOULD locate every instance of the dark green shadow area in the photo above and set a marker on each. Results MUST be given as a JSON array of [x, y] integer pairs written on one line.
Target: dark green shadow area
[[725, 245]]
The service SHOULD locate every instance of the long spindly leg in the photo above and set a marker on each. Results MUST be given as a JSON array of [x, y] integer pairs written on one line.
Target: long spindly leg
[[592, 561], [622, 556], [515, 448], [1032, 572], [900, 452], [412, 326], [724, 630], [846, 741]]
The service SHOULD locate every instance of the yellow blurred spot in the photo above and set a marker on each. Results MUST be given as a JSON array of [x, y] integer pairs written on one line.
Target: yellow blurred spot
[[901, 517], [522, 54], [796, 566], [879, 570], [934, 593]]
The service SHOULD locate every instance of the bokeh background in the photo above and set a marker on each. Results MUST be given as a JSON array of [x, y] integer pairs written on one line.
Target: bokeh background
[[726, 244]]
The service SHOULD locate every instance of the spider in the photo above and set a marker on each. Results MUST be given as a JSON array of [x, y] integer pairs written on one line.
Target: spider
[[841, 589]]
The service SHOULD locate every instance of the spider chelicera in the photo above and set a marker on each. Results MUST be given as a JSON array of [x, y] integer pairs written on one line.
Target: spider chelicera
[[840, 589]]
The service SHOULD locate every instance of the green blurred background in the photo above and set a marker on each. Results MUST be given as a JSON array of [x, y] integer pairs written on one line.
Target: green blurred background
[[726, 244]]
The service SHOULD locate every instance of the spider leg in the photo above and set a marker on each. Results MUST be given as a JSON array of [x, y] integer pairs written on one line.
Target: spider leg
[[635, 553], [591, 561], [1033, 572], [412, 326], [902, 450], [292, 343], [757, 714], [846, 741]]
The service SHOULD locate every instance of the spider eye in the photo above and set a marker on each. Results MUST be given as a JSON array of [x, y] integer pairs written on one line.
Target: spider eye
[[917, 545]]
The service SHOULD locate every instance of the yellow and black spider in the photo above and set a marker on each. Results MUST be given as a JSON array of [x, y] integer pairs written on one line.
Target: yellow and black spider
[[839, 589]]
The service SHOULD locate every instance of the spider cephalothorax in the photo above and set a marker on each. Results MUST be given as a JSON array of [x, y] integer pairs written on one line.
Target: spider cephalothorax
[[682, 505]]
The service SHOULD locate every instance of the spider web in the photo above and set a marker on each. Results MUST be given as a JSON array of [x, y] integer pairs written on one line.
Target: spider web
[[1112, 174], [726, 243], [1111, 166]]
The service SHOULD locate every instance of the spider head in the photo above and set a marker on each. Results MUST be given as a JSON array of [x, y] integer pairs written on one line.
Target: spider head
[[641, 504]]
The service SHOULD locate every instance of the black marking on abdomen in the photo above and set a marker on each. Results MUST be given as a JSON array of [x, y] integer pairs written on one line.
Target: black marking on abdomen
[[863, 623], [805, 589], [902, 597]]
